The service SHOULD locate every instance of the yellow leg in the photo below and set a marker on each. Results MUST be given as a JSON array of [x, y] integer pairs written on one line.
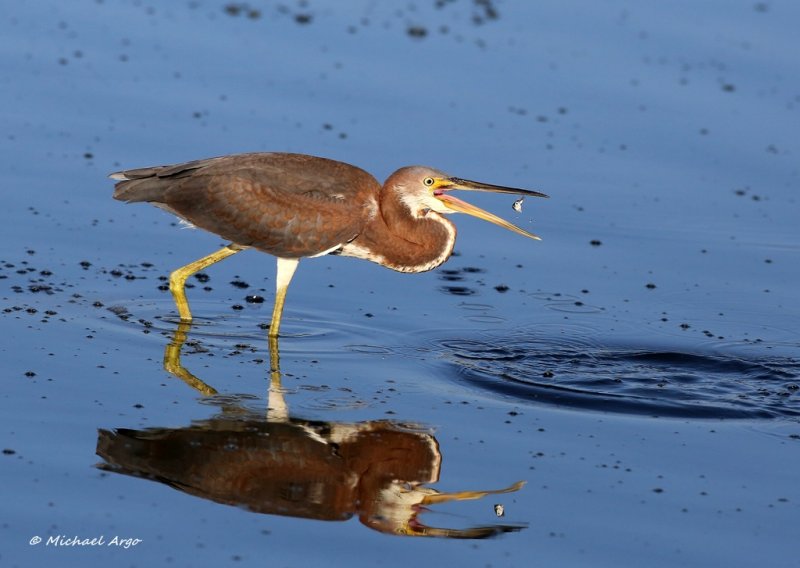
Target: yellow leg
[[286, 268], [177, 280], [274, 355]]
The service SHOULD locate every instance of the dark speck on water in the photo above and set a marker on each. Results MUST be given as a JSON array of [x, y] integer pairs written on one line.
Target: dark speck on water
[[417, 32], [237, 9], [450, 275], [458, 290]]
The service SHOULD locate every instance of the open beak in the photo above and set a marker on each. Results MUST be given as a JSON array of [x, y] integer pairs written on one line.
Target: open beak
[[443, 185]]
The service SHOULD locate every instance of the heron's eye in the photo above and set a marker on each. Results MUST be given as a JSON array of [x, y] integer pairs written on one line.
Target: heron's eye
[[428, 181]]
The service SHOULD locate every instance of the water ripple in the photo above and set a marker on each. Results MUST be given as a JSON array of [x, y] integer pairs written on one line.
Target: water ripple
[[322, 332], [644, 380]]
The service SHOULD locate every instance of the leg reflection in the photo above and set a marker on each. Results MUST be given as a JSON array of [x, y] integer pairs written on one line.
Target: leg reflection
[[277, 409], [173, 365]]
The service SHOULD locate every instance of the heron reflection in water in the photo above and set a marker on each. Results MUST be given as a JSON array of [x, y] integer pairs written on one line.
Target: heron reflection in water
[[296, 206], [275, 464]]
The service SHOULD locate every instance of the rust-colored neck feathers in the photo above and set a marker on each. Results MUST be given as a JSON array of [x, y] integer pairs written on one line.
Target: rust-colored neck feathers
[[397, 239]]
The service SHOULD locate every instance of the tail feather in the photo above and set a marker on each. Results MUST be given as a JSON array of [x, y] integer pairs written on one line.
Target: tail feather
[[150, 184], [145, 189], [137, 173]]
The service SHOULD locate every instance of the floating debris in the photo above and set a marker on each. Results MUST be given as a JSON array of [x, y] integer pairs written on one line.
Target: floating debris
[[517, 205], [499, 510]]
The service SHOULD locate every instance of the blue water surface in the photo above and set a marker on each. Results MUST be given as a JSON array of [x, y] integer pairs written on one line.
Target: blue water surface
[[638, 368]]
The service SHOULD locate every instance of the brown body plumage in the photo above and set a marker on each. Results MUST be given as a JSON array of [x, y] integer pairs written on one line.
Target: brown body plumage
[[295, 206]]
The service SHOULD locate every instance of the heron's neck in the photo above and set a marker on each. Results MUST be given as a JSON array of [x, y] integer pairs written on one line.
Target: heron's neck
[[396, 239]]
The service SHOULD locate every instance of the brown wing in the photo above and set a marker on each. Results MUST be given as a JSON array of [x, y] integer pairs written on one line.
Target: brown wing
[[289, 205]]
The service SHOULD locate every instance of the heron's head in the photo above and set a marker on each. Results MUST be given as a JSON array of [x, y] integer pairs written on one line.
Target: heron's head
[[424, 189]]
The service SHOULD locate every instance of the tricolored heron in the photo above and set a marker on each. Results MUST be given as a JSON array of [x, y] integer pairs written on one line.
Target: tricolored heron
[[295, 206]]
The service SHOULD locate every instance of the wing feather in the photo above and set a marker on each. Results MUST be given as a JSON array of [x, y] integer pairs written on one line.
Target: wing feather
[[289, 205]]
